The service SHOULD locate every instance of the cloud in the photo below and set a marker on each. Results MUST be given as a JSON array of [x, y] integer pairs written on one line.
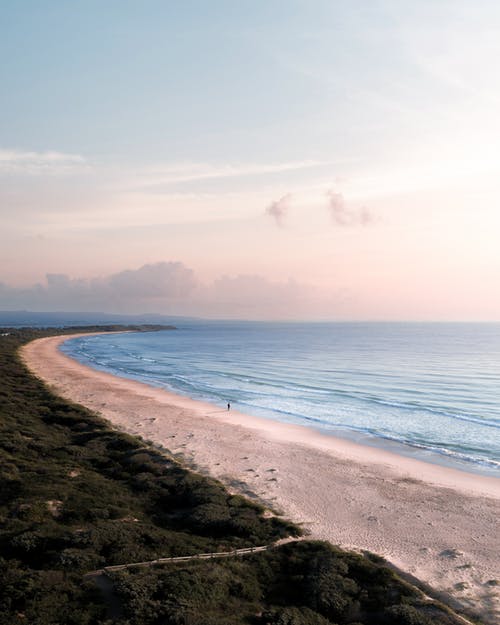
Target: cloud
[[279, 209], [345, 216], [176, 173], [341, 213], [150, 287], [172, 288], [172, 279], [36, 163], [250, 296]]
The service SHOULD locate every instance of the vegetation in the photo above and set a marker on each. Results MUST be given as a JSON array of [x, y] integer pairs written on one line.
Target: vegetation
[[77, 495], [303, 583]]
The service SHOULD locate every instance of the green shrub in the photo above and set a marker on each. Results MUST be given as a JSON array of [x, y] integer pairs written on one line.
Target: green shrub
[[76, 496], [293, 616]]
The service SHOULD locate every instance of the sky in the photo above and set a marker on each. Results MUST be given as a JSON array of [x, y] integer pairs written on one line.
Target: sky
[[264, 159]]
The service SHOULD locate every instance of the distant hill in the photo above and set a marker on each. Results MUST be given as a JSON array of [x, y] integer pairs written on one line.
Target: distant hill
[[26, 318]]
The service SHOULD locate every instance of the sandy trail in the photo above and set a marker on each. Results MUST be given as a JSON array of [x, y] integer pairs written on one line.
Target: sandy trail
[[439, 524]]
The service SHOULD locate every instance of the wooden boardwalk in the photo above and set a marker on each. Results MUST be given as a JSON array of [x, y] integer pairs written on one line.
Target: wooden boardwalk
[[199, 556]]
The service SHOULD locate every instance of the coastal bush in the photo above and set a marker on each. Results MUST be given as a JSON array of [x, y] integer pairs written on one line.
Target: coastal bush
[[293, 616], [76, 496], [303, 583], [405, 615]]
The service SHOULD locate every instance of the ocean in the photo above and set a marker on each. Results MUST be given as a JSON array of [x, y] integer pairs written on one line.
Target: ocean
[[427, 390]]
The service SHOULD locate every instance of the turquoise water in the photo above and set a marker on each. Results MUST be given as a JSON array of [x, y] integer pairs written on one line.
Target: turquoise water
[[426, 390]]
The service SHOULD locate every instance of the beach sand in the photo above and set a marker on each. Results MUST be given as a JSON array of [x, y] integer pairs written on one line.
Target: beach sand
[[438, 524]]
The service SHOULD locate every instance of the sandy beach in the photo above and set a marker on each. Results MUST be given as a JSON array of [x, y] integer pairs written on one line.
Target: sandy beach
[[435, 523]]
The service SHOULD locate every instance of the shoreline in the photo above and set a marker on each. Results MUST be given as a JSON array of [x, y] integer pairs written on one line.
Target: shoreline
[[427, 454], [439, 474], [436, 523]]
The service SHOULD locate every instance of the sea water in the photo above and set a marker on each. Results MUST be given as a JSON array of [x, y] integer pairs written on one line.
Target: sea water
[[426, 390]]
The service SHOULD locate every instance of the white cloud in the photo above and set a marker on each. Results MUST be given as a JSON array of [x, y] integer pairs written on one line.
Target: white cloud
[[176, 173], [35, 163]]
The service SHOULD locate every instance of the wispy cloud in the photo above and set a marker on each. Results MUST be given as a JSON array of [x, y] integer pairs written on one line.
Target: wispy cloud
[[346, 216], [35, 163], [176, 173], [279, 209]]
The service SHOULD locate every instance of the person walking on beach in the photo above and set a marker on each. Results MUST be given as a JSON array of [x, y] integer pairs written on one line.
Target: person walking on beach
[[228, 406]]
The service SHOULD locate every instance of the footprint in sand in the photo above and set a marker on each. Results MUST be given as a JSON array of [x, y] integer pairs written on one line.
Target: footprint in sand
[[451, 553]]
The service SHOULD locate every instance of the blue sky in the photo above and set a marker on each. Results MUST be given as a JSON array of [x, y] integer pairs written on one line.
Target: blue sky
[[347, 146], [156, 80], [146, 80]]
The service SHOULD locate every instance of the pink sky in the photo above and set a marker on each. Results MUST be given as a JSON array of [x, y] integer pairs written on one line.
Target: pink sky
[[338, 163], [418, 254]]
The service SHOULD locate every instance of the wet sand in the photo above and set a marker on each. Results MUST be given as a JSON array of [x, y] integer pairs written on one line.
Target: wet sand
[[438, 524]]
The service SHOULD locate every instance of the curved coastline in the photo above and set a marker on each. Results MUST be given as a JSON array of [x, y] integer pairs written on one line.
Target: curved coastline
[[430, 415], [413, 513], [432, 473]]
